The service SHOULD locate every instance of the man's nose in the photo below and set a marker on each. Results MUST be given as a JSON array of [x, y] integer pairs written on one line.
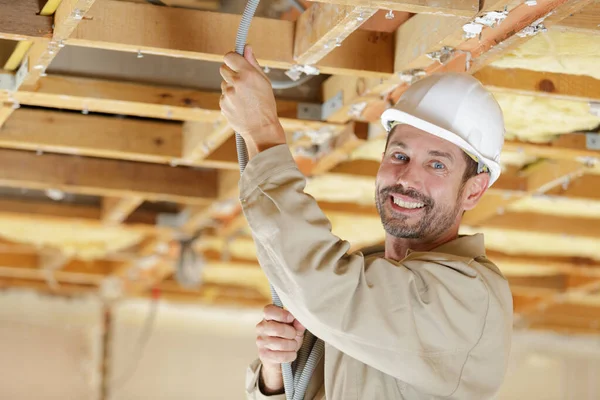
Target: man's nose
[[410, 177]]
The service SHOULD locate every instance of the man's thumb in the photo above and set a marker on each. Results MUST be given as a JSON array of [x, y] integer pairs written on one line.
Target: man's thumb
[[249, 56]]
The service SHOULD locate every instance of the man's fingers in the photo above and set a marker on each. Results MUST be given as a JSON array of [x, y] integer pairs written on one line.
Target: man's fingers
[[226, 88], [278, 329], [273, 313], [235, 61], [251, 58], [276, 344], [299, 327], [229, 75], [276, 356]]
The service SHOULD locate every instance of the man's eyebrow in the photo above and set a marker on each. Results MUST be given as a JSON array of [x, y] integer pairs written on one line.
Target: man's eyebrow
[[397, 143], [444, 154]]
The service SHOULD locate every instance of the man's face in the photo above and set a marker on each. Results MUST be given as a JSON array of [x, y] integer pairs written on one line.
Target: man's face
[[419, 191]]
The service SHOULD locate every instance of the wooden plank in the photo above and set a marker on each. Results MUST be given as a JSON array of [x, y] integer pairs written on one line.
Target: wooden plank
[[512, 32], [6, 111], [323, 27], [548, 224], [353, 137], [209, 36], [540, 178], [585, 187], [542, 84], [571, 146], [212, 5], [97, 95], [66, 18], [201, 138], [89, 215], [585, 21], [19, 20], [116, 209], [107, 177], [466, 8], [92, 135]]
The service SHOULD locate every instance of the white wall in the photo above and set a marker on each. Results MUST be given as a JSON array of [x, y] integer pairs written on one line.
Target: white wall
[[193, 353], [51, 348]]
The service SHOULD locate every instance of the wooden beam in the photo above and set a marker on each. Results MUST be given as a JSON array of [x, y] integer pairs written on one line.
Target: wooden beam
[[208, 36], [90, 215], [93, 135], [201, 138], [573, 146], [585, 21], [6, 111], [97, 95], [323, 27], [426, 44], [116, 209], [539, 178], [542, 84], [514, 30], [107, 177], [66, 18], [585, 187], [19, 20], [466, 8], [549, 224]]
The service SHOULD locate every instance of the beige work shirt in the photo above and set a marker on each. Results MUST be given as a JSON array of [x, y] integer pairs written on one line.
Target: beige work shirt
[[433, 325]]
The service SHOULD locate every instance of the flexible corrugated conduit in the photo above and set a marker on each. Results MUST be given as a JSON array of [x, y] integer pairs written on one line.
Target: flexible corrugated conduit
[[296, 382]]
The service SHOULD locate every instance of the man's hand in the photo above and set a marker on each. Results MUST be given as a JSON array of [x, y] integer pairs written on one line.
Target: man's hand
[[248, 102], [279, 337]]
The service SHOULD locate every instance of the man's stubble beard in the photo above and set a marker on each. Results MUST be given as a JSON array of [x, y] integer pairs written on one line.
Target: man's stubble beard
[[437, 219]]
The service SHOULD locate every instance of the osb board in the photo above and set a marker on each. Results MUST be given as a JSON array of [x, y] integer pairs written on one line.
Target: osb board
[[557, 51], [73, 239]]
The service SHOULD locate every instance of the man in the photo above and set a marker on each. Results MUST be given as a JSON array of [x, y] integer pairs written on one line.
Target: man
[[427, 316]]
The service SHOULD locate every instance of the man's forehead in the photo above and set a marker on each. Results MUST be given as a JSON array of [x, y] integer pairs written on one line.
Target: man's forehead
[[408, 136]]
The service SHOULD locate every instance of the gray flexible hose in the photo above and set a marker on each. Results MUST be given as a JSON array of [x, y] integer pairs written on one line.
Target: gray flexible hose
[[242, 153], [312, 348]]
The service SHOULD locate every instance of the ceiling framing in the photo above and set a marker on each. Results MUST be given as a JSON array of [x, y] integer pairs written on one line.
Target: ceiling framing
[[113, 148]]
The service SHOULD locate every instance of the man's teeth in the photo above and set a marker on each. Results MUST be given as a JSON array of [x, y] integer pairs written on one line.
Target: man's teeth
[[406, 204]]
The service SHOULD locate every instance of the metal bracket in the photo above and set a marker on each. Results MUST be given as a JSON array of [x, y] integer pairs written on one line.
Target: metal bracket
[[12, 80], [592, 141], [332, 105], [310, 111]]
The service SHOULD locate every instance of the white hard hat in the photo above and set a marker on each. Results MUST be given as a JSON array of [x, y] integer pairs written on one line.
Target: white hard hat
[[457, 108]]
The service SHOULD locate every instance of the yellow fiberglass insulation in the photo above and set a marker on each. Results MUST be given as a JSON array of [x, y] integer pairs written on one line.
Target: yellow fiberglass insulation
[[73, 239], [539, 119], [555, 51]]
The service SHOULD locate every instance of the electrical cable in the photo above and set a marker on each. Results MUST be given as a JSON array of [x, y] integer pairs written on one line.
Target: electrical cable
[[142, 342], [313, 348]]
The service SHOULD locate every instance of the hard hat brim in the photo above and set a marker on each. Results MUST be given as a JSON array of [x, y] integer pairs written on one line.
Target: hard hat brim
[[394, 115]]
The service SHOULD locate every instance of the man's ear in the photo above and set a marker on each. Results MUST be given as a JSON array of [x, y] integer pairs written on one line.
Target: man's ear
[[474, 189]]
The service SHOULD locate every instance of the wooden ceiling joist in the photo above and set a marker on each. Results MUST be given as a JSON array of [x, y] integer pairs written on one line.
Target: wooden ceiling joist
[[107, 177], [82, 214], [466, 8], [543, 84], [201, 35]]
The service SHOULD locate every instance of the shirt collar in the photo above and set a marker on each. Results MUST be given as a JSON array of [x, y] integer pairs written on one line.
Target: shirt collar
[[469, 246]]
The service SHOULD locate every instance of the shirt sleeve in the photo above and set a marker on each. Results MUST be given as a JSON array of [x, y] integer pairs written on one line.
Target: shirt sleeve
[[252, 384], [415, 320]]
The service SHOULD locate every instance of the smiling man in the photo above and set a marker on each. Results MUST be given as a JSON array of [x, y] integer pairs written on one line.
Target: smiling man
[[427, 315]]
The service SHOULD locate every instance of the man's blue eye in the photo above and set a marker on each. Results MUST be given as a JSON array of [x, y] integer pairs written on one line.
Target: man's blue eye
[[438, 165], [401, 157]]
